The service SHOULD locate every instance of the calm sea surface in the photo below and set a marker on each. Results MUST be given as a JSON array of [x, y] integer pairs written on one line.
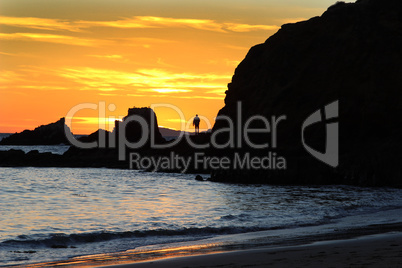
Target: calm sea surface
[[56, 213]]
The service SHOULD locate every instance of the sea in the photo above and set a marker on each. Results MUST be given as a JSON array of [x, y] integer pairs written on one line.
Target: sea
[[54, 214]]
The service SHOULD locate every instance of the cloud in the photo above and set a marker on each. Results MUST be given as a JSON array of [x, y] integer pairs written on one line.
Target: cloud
[[43, 87], [133, 22], [217, 91], [155, 22], [238, 27], [9, 76], [136, 22], [144, 81], [39, 23], [141, 41], [107, 56], [177, 96], [52, 38], [227, 62], [108, 94], [169, 90], [165, 22], [115, 58], [8, 54]]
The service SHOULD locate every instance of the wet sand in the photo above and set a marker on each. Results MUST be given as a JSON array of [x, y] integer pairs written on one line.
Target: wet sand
[[382, 250]]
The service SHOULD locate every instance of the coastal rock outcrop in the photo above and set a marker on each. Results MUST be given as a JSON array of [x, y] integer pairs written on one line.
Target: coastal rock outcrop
[[106, 152], [140, 123], [351, 54], [51, 134]]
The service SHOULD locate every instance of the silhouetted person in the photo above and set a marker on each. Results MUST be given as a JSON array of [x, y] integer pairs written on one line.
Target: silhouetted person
[[196, 123]]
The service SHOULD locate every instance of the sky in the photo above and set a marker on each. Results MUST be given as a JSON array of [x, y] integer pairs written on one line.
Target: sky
[[101, 57]]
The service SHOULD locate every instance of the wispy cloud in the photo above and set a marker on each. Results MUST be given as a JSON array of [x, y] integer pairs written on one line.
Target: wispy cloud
[[165, 22], [238, 27], [52, 38], [113, 57], [145, 81], [39, 23], [227, 62], [107, 56], [217, 91], [155, 22], [132, 23], [178, 96], [9, 76], [146, 40], [41, 87], [170, 90], [7, 54]]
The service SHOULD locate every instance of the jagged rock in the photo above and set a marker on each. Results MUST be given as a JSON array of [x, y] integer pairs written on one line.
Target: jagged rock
[[51, 134]]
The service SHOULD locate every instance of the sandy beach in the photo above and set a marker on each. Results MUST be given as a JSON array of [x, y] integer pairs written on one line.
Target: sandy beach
[[382, 250], [353, 248]]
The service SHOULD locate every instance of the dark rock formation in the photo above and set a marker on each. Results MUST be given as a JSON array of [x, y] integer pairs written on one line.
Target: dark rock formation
[[106, 152], [51, 134], [134, 130], [352, 53], [17, 158], [170, 134]]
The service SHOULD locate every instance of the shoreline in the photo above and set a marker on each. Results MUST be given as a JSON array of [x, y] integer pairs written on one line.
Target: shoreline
[[380, 250], [303, 247]]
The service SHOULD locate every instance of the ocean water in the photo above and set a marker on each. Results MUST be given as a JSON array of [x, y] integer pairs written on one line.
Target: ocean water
[[49, 214]]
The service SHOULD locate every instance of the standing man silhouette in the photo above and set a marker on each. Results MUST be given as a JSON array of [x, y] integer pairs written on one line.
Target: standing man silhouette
[[196, 123]]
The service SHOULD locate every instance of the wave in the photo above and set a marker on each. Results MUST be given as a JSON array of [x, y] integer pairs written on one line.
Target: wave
[[66, 240]]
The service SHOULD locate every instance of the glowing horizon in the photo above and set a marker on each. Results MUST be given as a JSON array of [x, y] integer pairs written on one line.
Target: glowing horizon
[[128, 53]]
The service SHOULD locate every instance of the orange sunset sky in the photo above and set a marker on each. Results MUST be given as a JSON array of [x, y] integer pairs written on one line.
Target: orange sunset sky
[[56, 54]]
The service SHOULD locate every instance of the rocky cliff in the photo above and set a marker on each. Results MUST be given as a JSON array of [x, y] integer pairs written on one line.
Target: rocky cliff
[[351, 54]]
